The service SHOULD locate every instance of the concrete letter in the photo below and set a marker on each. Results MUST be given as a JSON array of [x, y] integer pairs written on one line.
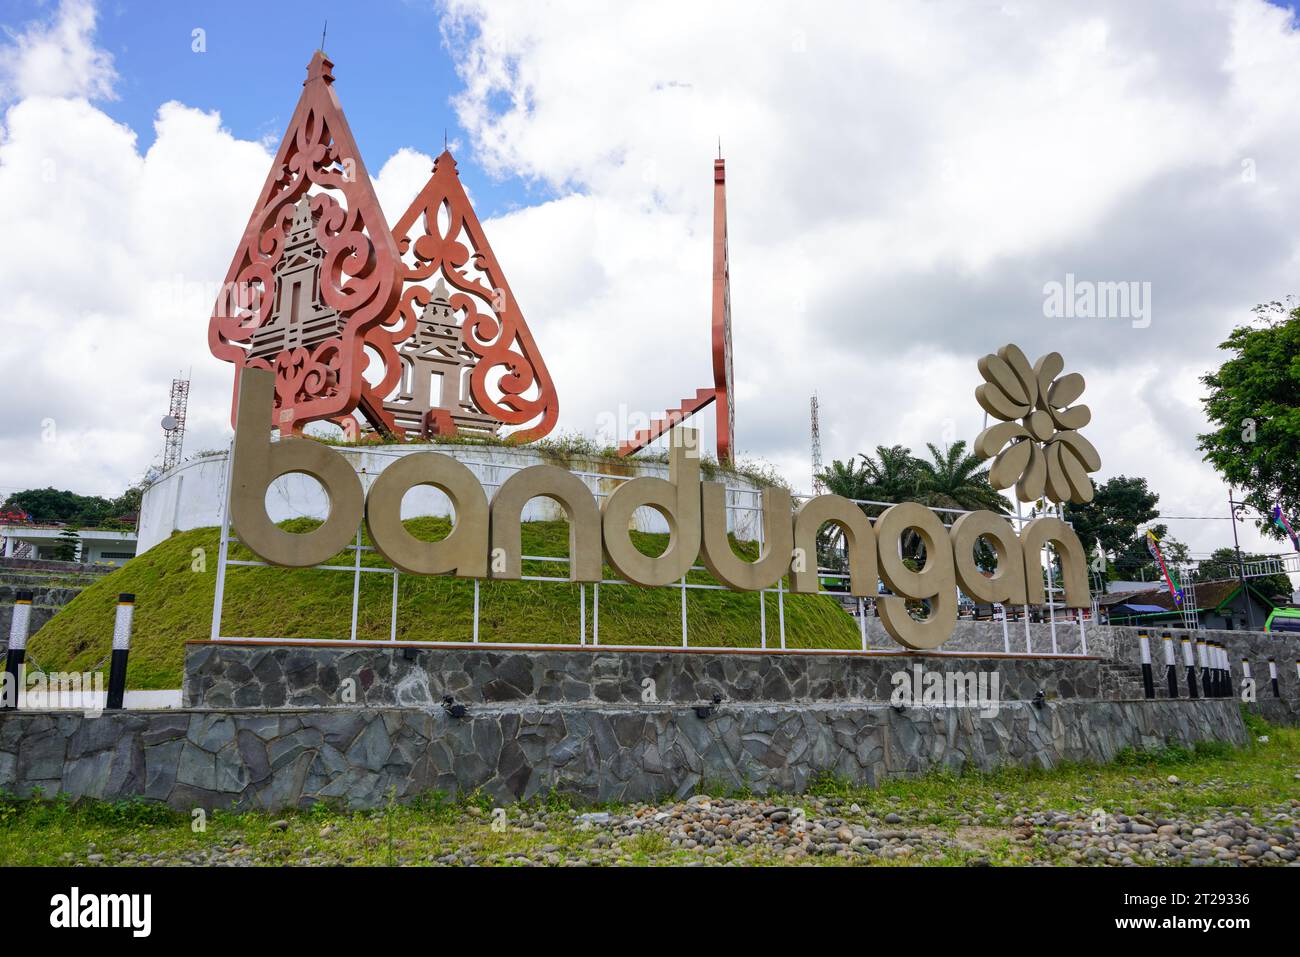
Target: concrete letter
[[1074, 563], [1007, 583], [462, 553], [568, 491], [859, 543], [678, 499], [778, 540], [257, 463], [934, 582]]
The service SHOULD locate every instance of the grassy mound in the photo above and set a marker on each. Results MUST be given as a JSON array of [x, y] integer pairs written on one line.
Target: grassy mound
[[174, 582]]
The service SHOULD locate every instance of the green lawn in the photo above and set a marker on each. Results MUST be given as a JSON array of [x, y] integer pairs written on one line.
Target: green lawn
[[174, 582]]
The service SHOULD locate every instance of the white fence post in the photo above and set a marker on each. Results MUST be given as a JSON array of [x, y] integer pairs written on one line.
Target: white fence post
[[683, 611], [476, 611], [356, 584]]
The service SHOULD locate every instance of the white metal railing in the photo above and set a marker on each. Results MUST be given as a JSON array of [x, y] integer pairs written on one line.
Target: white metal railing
[[224, 561]]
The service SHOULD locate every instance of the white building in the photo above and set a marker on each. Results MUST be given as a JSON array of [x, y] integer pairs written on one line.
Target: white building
[[95, 546]]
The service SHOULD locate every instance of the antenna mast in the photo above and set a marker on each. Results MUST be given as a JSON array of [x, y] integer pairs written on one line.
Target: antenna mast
[[818, 487], [173, 424]]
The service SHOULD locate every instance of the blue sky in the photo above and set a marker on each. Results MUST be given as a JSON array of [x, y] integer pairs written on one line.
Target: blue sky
[[252, 72]]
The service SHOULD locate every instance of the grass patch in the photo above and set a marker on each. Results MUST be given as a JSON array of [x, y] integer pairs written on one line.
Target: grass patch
[[174, 583]]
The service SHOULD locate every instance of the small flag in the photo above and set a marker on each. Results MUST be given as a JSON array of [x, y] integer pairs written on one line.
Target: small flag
[[1153, 546], [1280, 521]]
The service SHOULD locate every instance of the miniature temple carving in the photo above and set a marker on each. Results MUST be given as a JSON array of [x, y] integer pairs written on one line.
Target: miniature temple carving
[[436, 367]]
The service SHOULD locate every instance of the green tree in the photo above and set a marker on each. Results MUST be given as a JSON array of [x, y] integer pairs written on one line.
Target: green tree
[[1222, 563], [1119, 507], [65, 546], [955, 478], [1254, 405], [891, 476], [54, 506], [1134, 562], [844, 478]]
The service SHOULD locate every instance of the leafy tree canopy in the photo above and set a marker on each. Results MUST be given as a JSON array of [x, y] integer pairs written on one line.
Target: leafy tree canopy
[[1119, 507], [1222, 563], [51, 506], [951, 478], [1254, 405]]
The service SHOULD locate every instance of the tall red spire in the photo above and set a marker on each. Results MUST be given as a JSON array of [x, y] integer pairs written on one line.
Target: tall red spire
[[720, 394], [722, 375]]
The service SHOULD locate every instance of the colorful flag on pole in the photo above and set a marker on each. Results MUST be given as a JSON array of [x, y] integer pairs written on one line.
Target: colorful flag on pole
[[1280, 521], [1153, 546]]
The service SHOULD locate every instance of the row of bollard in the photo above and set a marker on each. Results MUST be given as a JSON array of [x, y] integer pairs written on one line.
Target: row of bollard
[[1210, 659], [16, 654]]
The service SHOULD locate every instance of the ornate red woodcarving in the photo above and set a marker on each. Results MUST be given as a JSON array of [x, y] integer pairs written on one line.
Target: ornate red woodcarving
[[474, 325], [317, 267]]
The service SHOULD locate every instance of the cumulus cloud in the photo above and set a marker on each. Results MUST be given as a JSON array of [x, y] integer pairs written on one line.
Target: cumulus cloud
[[57, 58], [903, 180]]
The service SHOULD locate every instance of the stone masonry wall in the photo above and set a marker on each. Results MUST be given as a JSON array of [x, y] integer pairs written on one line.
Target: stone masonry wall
[[286, 759], [253, 675]]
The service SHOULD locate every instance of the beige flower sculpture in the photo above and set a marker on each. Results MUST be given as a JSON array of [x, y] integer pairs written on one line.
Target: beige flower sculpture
[[1037, 444]]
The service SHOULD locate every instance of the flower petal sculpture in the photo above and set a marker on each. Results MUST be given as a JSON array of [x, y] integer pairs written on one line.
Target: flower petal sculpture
[[1037, 444]]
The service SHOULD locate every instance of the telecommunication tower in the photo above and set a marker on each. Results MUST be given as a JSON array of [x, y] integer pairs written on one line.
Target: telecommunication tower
[[818, 487], [173, 424]]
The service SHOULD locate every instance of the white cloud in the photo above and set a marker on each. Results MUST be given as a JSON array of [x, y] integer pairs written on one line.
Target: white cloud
[[57, 58], [903, 179], [110, 263]]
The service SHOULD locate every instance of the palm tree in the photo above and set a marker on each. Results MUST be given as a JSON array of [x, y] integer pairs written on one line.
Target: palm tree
[[955, 478], [889, 477], [844, 478]]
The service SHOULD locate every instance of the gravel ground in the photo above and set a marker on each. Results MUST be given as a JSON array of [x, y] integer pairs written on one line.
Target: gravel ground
[[713, 831]]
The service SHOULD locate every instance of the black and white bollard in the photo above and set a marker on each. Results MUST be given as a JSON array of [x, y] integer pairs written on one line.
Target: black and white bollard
[[19, 625], [1189, 661], [1171, 668], [121, 648], [1247, 679], [1225, 671], [1203, 659], [1148, 681], [1216, 669], [1272, 678]]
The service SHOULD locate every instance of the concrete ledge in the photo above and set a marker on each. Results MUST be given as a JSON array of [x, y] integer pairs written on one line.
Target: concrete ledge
[[275, 760]]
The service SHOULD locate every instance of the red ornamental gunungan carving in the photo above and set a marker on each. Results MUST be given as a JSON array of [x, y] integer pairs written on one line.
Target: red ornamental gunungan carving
[[457, 321], [316, 269]]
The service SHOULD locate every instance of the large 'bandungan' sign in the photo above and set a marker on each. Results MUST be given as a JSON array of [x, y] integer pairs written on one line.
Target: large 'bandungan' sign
[[485, 539]]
